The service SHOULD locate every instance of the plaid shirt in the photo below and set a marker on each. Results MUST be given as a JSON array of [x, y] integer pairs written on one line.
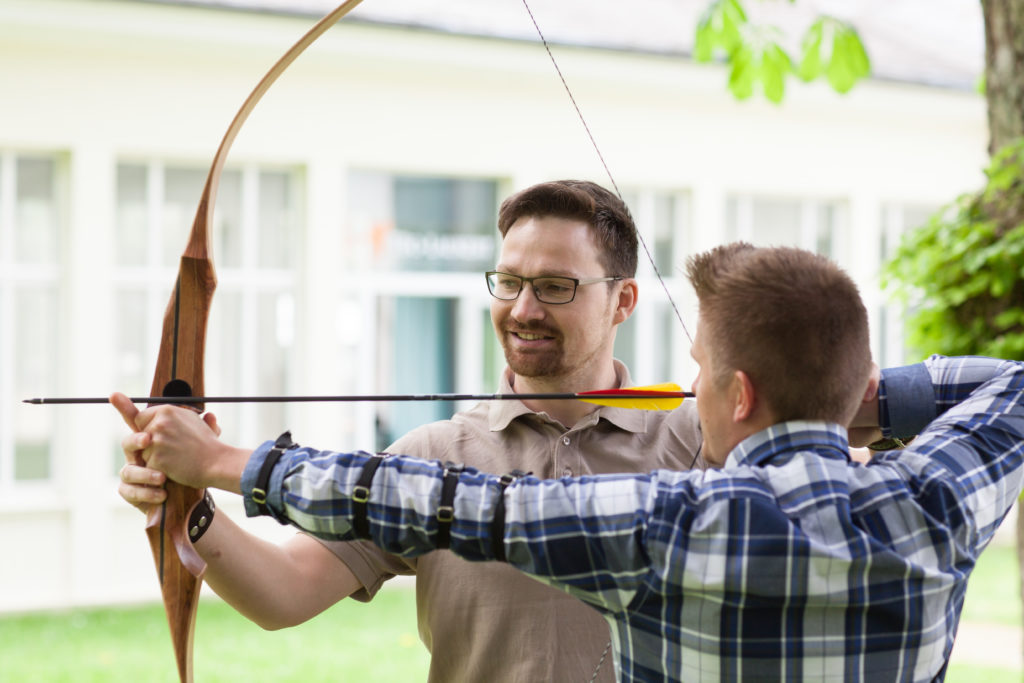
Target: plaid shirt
[[790, 562]]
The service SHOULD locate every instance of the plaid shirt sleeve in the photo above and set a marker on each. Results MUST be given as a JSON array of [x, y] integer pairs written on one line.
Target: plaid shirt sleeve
[[590, 534], [972, 433], [595, 519]]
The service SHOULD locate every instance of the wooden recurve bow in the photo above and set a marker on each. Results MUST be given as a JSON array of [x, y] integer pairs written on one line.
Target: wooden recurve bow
[[179, 372]]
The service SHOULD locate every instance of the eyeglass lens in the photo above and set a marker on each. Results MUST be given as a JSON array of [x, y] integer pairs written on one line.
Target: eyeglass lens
[[552, 290]]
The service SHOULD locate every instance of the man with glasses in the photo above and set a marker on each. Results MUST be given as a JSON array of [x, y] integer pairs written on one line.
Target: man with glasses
[[563, 284]]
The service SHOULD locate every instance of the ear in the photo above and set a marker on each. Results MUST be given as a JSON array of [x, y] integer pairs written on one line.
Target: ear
[[871, 392], [628, 295], [743, 395]]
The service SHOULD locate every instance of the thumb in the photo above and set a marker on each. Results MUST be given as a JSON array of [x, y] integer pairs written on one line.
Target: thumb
[[211, 421], [127, 409]]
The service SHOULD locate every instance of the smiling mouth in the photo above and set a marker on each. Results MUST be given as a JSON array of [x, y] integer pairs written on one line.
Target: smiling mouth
[[525, 336]]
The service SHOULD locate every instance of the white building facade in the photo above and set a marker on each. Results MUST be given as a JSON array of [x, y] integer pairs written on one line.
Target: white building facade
[[356, 216]]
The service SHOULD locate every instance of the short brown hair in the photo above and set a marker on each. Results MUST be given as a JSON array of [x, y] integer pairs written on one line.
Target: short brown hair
[[792, 320], [606, 214]]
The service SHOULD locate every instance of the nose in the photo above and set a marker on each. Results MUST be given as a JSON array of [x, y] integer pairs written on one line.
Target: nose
[[527, 306]]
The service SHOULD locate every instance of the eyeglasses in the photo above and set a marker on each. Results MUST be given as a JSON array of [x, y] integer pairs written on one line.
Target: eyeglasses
[[550, 290]]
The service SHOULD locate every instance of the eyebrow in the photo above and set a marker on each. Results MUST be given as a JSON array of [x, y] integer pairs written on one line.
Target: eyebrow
[[501, 269]]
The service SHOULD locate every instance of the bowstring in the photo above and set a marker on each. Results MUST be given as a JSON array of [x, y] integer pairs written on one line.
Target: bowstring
[[611, 178], [604, 164]]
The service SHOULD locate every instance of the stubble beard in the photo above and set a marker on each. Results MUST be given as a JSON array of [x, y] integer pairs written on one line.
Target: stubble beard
[[548, 364]]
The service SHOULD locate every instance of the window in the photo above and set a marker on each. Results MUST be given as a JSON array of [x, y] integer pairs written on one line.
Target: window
[[31, 210], [252, 319], [815, 225], [412, 223], [434, 236], [652, 343]]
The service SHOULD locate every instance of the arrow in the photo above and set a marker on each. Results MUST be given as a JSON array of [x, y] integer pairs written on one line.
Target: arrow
[[655, 397]]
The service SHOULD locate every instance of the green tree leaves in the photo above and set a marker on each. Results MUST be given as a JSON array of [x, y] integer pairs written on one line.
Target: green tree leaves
[[962, 274], [833, 48], [756, 55]]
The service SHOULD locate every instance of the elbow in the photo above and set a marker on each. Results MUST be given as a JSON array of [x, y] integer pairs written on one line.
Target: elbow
[[277, 622], [267, 625]]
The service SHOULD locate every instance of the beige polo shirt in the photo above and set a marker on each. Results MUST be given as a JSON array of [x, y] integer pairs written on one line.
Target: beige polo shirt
[[487, 621]]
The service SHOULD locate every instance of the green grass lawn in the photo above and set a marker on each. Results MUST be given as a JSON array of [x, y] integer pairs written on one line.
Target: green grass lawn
[[992, 590], [353, 641]]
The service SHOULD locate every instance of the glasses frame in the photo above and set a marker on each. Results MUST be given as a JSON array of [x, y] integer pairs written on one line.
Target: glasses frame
[[576, 282]]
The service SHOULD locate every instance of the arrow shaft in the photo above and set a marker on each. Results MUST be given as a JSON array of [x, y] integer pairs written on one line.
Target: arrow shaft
[[188, 400]]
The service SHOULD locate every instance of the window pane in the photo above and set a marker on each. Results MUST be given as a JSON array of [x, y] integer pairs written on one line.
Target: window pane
[[182, 189], [776, 223], [226, 339], [665, 322], [371, 214], [133, 360], [770, 222], [825, 232], [228, 222], [131, 228], [225, 360], [277, 229], [274, 334], [443, 224], [916, 216], [35, 337], [664, 234], [494, 356], [428, 366], [35, 222], [625, 343], [31, 456]]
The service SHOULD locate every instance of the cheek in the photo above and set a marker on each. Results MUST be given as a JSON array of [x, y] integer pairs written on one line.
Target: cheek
[[700, 385]]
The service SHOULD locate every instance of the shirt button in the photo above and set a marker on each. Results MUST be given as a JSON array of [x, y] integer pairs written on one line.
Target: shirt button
[[567, 472], [565, 440]]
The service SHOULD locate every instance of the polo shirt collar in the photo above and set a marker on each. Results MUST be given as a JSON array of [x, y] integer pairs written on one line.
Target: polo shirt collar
[[502, 413]]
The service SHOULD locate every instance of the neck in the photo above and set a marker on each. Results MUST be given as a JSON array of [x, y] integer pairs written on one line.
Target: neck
[[568, 413]]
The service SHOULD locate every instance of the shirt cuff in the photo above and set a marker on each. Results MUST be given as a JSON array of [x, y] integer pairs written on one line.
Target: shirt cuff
[[906, 400], [251, 475]]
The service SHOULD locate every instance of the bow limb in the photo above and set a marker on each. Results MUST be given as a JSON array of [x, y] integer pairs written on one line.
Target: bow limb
[[179, 372]]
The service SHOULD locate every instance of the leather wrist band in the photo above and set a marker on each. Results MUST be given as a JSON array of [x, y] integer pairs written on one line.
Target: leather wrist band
[[361, 495], [259, 492], [498, 523], [446, 508], [201, 516]]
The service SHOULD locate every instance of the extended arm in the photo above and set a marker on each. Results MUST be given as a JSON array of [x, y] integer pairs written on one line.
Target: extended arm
[[596, 517], [585, 534]]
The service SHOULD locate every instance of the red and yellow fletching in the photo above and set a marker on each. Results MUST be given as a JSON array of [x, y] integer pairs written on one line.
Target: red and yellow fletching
[[666, 396]]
